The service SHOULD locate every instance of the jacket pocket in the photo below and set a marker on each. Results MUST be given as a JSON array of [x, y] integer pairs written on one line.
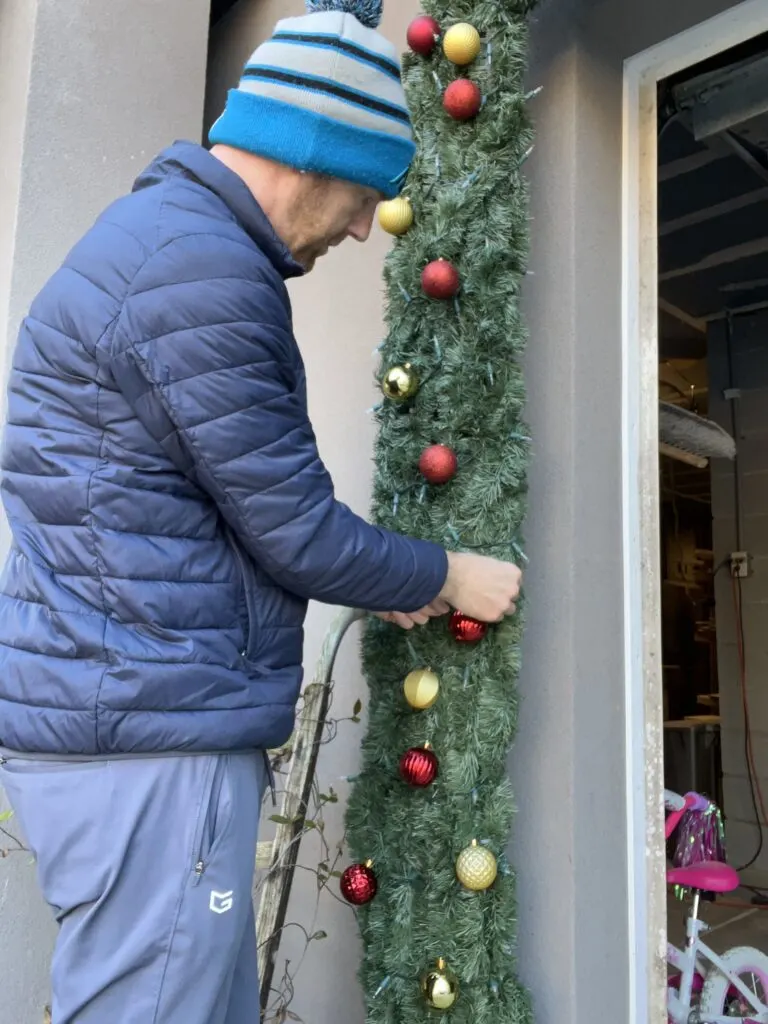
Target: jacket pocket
[[215, 815], [248, 585]]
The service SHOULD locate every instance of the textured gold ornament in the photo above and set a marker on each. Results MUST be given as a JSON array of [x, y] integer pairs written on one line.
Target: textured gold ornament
[[400, 383], [396, 215], [476, 867], [440, 987], [461, 43], [421, 688]]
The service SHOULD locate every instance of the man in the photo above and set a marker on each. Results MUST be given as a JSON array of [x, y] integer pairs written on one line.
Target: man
[[171, 518]]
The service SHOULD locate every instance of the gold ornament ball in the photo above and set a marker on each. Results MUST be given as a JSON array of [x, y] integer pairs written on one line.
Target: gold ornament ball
[[400, 383], [476, 867], [396, 215], [461, 43], [440, 987], [421, 688]]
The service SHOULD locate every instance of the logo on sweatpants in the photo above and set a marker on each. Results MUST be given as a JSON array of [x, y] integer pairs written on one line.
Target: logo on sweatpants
[[221, 902]]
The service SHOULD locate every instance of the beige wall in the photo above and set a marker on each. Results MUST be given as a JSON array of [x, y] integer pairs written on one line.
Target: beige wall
[[17, 20]]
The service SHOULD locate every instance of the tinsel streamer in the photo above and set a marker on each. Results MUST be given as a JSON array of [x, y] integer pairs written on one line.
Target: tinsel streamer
[[700, 837]]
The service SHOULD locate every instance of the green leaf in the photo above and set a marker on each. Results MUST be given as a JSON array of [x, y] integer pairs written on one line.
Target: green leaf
[[6, 816], [280, 819], [358, 707], [319, 935]]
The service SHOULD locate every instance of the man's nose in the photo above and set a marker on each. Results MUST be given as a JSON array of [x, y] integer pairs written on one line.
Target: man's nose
[[360, 228]]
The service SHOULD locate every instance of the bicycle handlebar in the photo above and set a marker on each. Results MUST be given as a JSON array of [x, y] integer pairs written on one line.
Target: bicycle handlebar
[[689, 802], [673, 801]]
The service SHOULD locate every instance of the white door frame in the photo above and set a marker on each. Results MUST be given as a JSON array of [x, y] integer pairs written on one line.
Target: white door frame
[[640, 468]]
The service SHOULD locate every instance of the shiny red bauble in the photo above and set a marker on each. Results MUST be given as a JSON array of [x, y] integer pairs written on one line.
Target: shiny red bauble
[[358, 884], [438, 464], [418, 766], [423, 33], [466, 630], [463, 99], [440, 280]]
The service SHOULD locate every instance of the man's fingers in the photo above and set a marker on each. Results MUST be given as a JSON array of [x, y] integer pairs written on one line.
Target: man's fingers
[[407, 620], [402, 620]]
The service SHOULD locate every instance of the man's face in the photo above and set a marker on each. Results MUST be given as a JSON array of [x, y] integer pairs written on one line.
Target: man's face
[[326, 211]]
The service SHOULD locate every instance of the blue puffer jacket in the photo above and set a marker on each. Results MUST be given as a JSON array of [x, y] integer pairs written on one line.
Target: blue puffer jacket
[[169, 511]]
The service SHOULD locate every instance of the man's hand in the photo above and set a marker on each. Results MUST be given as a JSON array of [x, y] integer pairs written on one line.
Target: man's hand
[[407, 620], [481, 587]]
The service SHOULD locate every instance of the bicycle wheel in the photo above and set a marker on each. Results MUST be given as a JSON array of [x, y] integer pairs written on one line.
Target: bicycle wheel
[[720, 999]]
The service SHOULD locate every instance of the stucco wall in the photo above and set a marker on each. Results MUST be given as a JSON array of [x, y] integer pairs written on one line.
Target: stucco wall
[[17, 23], [576, 877]]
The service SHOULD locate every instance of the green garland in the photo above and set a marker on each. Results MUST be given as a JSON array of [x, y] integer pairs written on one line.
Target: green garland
[[469, 198]]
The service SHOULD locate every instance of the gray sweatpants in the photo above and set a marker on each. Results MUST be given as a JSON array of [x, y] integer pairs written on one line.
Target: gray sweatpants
[[148, 865]]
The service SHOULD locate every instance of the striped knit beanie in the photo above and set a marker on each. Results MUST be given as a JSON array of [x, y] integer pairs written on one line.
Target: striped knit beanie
[[324, 95]]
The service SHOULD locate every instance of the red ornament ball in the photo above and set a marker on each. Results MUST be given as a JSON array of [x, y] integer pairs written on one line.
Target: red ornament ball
[[440, 280], [418, 766], [438, 464], [423, 33], [359, 884], [463, 99], [466, 630]]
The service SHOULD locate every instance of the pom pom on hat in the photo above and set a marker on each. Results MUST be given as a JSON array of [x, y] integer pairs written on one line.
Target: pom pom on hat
[[367, 12]]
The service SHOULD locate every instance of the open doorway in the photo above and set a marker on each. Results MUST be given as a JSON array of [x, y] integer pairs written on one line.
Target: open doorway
[[695, 305], [713, 467]]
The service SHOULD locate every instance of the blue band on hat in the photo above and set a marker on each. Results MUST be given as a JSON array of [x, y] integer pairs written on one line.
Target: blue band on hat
[[313, 142]]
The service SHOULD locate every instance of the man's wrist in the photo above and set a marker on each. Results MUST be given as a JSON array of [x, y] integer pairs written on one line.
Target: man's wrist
[[448, 592]]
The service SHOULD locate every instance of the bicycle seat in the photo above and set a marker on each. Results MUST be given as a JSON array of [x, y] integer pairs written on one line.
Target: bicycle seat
[[709, 876]]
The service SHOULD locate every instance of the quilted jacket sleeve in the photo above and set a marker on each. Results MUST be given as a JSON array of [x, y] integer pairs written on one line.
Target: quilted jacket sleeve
[[204, 354]]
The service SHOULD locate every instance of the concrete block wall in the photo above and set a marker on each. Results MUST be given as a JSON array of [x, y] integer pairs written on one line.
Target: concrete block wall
[[747, 370]]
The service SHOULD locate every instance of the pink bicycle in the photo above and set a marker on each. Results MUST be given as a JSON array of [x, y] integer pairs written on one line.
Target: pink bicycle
[[704, 987]]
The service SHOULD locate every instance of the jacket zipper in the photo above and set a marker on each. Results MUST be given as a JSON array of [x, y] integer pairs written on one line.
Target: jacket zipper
[[247, 597], [247, 593]]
